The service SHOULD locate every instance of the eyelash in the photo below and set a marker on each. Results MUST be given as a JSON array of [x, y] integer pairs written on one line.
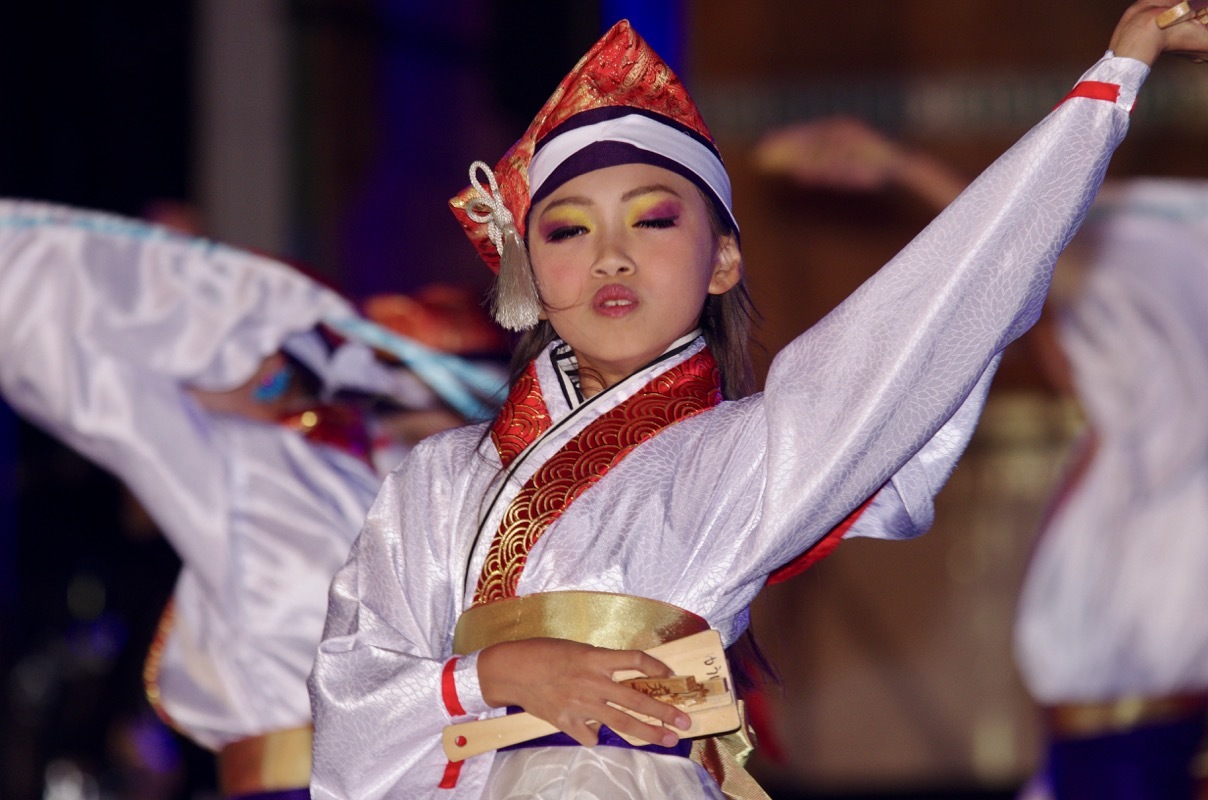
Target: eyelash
[[565, 232], [570, 231]]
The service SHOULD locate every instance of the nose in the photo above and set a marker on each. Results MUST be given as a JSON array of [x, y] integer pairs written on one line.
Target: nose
[[612, 260]]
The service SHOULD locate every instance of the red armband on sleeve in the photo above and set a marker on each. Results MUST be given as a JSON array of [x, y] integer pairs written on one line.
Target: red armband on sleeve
[[448, 693], [448, 690], [1095, 90]]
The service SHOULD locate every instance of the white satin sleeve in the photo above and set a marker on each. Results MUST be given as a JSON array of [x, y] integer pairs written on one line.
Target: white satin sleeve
[[104, 320], [887, 388], [376, 687]]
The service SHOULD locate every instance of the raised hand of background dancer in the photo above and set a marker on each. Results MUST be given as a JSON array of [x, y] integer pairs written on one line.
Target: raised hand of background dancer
[[846, 154]]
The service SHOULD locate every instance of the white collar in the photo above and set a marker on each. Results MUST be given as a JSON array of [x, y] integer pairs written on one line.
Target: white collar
[[566, 366]]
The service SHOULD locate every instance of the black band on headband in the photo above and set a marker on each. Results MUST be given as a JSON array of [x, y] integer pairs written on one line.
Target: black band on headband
[[599, 155]]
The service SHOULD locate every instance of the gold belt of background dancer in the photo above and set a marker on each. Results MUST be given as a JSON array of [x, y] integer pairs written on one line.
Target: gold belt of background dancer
[[270, 762], [1097, 718]]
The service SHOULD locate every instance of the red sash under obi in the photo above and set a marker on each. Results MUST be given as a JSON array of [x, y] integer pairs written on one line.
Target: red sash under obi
[[683, 391]]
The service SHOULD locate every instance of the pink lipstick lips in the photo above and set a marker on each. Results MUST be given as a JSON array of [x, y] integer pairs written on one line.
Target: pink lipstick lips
[[614, 300]]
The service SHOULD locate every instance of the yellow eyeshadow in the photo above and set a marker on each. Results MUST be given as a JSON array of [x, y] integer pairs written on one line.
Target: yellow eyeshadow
[[646, 205], [563, 217]]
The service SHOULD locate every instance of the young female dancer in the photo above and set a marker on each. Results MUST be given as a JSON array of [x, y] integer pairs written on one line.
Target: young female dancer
[[617, 500]]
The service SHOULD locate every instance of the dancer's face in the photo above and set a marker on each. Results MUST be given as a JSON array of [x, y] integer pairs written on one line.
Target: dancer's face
[[624, 258]]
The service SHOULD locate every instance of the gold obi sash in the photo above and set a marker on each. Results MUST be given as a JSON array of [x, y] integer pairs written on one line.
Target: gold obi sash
[[619, 622], [270, 762], [616, 621]]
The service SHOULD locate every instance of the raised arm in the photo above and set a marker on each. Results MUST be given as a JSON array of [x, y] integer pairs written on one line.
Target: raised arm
[[106, 322], [887, 388], [882, 387]]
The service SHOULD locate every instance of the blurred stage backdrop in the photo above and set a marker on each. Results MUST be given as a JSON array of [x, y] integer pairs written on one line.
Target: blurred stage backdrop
[[332, 133]]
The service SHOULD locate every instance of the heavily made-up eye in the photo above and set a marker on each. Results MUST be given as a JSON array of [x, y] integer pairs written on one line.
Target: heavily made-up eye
[[564, 223], [559, 233], [653, 211]]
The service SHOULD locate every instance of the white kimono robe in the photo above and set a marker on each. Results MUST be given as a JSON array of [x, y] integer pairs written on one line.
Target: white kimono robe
[[1115, 603], [879, 398], [103, 322]]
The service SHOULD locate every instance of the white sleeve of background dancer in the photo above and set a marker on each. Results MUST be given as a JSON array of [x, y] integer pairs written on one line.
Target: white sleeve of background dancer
[[103, 323]]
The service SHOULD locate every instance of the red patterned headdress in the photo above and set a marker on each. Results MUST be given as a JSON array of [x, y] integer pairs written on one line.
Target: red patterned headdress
[[621, 104]]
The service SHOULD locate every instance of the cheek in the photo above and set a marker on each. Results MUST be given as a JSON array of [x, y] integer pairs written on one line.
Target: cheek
[[698, 269], [555, 277]]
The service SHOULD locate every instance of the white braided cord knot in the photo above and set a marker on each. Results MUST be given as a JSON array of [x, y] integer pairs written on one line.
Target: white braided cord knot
[[515, 301], [488, 207]]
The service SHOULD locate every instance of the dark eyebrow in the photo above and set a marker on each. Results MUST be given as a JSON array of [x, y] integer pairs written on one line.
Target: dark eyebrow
[[648, 189], [573, 200]]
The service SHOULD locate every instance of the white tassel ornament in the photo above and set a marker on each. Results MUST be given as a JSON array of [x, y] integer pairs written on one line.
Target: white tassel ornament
[[515, 303]]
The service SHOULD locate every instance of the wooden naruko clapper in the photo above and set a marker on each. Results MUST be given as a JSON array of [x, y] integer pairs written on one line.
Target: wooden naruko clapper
[[701, 687]]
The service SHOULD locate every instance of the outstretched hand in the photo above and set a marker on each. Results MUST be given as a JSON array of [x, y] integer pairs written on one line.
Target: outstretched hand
[[1138, 36], [570, 685], [846, 154], [832, 152]]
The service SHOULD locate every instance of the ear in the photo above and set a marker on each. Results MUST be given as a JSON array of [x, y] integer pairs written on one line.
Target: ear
[[727, 265]]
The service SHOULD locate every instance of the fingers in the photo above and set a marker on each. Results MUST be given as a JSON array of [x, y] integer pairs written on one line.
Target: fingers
[[644, 663], [572, 686], [623, 723], [617, 708], [1189, 39], [1139, 36], [631, 700], [624, 702], [604, 701], [585, 732]]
